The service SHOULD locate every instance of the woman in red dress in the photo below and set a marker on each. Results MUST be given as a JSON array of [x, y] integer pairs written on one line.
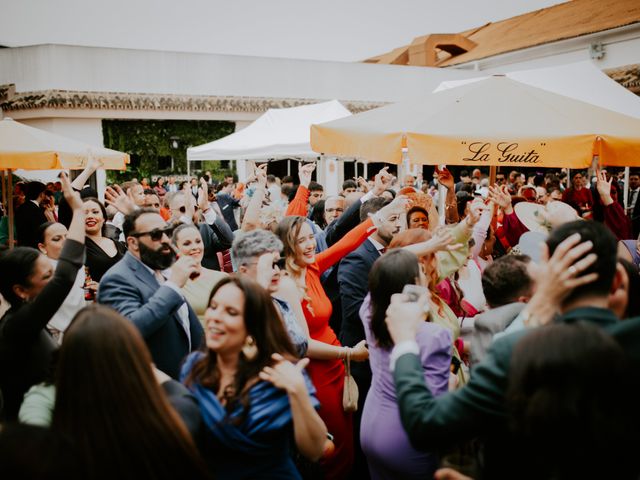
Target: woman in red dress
[[326, 368]]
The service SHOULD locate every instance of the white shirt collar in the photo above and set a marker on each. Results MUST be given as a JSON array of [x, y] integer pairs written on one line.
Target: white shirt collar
[[376, 244]]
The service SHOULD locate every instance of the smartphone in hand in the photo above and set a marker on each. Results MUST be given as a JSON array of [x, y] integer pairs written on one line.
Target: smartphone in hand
[[414, 292]]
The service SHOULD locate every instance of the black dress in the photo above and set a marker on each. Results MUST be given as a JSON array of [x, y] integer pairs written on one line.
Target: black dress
[[26, 347], [98, 261]]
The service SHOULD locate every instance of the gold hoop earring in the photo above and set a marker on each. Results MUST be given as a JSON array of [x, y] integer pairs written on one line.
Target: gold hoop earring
[[250, 349]]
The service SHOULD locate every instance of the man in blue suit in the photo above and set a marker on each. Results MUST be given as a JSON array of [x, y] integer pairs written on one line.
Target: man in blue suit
[[145, 287], [353, 274]]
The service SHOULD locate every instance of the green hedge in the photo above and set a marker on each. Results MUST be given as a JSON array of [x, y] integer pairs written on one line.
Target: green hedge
[[148, 140]]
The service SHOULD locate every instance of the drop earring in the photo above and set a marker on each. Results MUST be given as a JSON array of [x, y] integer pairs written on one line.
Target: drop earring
[[249, 349]]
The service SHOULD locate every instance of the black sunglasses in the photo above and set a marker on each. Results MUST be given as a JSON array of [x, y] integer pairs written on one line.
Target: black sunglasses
[[155, 234], [280, 263]]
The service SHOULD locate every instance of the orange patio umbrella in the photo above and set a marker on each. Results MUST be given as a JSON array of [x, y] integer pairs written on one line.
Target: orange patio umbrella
[[496, 122], [29, 148]]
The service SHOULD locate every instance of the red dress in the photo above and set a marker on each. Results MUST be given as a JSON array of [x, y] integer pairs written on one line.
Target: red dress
[[328, 375]]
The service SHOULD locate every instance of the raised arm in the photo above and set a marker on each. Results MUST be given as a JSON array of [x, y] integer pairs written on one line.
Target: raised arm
[[33, 316], [355, 237], [351, 218], [298, 206], [251, 220], [93, 164], [451, 204], [614, 215]]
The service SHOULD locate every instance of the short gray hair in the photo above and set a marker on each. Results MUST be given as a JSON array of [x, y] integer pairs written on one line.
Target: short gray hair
[[253, 244]]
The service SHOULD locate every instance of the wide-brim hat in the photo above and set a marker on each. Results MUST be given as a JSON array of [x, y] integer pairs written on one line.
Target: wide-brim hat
[[542, 218], [530, 244]]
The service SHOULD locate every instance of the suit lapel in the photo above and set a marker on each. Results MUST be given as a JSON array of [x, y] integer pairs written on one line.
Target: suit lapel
[[151, 284], [371, 248], [145, 277]]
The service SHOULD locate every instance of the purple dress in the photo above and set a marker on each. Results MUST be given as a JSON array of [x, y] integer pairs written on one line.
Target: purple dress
[[384, 442]]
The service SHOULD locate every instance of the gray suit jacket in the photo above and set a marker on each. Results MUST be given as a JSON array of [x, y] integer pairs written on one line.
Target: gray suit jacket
[[487, 324], [133, 290]]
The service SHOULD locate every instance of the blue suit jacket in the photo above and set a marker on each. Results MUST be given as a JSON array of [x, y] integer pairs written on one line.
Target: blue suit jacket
[[353, 278], [134, 291]]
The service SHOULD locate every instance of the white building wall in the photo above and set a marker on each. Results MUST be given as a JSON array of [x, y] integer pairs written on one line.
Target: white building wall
[[45, 67]]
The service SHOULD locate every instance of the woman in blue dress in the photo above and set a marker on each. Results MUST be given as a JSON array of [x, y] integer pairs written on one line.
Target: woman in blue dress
[[252, 398]]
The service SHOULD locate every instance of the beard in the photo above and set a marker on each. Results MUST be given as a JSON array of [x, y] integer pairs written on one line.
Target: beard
[[156, 259]]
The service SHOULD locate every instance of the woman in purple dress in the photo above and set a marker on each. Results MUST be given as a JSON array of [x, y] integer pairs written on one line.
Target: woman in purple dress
[[384, 442]]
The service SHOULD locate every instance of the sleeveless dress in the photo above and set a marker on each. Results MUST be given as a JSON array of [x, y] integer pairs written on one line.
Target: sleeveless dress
[[328, 375]]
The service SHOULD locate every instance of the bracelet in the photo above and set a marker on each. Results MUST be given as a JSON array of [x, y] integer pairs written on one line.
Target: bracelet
[[343, 353]]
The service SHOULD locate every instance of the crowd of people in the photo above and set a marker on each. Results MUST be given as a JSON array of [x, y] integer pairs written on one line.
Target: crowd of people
[[218, 329]]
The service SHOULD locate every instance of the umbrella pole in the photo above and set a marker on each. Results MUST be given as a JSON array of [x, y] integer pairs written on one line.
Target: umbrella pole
[[626, 187], [442, 200], [11, 213], [493, 170], [4, 190]]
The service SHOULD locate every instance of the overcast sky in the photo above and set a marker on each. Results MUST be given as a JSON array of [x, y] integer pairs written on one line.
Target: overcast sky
[[344, 30]]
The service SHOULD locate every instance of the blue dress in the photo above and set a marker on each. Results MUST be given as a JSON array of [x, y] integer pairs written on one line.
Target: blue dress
[[256, 448]]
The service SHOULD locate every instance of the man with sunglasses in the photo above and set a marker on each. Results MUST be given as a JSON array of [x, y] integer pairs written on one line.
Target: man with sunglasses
[[145, 287]]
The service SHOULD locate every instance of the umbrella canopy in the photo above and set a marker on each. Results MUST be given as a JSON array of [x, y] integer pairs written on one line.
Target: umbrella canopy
[[278, 133], [496, 121], [29, 148]]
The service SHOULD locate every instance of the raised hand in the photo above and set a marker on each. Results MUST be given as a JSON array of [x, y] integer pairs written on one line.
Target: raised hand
[[445, 178], [363, 184], [188, 201], [94, 163], [558, 276], [382, 181], [261, 175], [71, 196], [116, 197], [304, 172], [501, 197], [476, 207], [604, 187], [442, 240], [184, 268], [284, 374]]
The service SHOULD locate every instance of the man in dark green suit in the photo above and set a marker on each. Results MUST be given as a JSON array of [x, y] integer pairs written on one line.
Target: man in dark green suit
[[580, 281]]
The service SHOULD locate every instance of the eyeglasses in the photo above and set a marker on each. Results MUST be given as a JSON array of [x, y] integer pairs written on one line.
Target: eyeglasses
[[279, 262], [155, 234], [331, 210]]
